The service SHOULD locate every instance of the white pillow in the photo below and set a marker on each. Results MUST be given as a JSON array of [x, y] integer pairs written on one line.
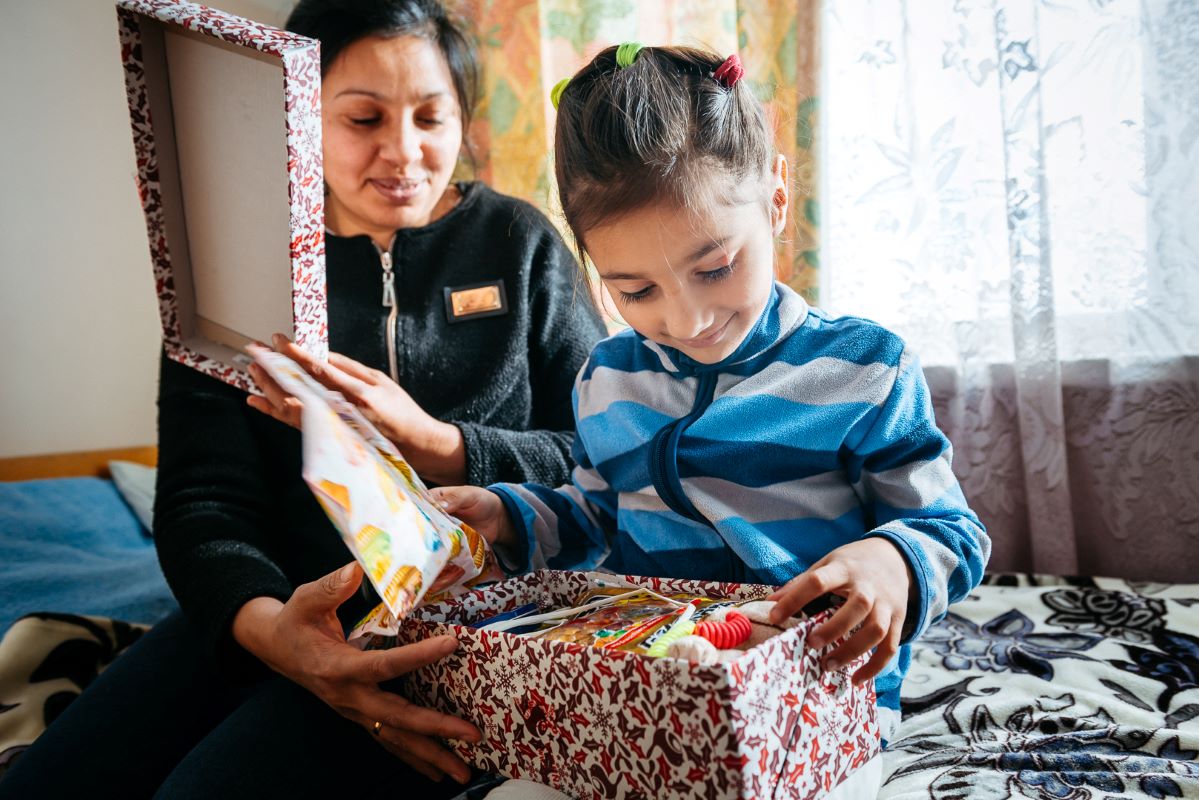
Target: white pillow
[[135, 482]]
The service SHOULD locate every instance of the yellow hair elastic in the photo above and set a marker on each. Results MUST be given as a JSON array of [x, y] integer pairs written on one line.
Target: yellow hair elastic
[[556, 92]]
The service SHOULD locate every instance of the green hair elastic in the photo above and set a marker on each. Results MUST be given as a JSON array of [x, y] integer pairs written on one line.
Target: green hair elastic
[[626, 54], [556, 92]]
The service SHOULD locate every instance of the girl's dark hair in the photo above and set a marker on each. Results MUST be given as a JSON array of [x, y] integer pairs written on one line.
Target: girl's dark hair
[[661, 129], [340, 23]]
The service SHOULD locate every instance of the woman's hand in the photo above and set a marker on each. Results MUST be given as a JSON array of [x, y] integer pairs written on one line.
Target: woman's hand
[[481, 509], [302, 639], [435, 449], [874, 579], [275, 402]]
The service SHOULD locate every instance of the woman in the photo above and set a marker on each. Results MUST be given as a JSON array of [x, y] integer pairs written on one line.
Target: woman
[[462, 297]]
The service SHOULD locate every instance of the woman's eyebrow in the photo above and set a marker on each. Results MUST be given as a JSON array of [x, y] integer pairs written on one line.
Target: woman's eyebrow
[[366, 92], [433, 95]]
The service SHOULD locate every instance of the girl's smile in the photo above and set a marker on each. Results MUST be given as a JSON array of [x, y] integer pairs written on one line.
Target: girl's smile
[[708, 339]]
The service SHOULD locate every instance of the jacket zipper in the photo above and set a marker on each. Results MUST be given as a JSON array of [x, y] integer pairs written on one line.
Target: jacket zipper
[[664, 454], [389, 301], [664, 470]]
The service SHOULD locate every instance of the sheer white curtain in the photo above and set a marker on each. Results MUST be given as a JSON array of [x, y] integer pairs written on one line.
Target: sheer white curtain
[[1013, 185]]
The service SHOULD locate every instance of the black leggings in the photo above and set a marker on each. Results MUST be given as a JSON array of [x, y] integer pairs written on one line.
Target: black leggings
[[157, 722]]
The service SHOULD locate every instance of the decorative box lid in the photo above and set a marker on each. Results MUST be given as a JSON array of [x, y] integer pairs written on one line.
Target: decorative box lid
[[226, 126]]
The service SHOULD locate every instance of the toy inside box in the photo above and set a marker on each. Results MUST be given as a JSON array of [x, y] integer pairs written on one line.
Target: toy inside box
[[226, 128], [599, 722]]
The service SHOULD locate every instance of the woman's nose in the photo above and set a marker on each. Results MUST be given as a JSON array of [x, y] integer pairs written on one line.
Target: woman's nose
[[401, 144]]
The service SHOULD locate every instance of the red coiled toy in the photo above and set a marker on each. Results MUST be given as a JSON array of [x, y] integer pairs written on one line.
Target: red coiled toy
[[734, 630]]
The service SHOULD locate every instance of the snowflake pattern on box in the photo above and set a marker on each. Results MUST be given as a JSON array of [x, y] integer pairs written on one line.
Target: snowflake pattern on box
[[301, 103], [609, 724]]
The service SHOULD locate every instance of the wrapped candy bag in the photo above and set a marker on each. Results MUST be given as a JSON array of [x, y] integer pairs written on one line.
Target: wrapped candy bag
[[408, 546], [626, 623]]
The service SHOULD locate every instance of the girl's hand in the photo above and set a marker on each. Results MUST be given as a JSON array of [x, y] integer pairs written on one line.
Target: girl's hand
[[874, 579], [435, 449], [482, 510], [302, 640]]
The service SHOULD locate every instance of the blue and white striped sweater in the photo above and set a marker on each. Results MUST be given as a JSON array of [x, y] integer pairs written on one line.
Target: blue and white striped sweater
[[818, 432]]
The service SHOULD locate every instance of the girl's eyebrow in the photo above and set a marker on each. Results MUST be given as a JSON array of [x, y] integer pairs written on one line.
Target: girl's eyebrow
[[715, 244], [622, 276]]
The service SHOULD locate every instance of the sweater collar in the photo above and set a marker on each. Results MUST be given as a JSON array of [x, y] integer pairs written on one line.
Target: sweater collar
[[785, 311]]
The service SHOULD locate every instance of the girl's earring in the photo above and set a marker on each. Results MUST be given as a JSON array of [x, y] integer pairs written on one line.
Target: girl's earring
[[780, 197], [778, 208]]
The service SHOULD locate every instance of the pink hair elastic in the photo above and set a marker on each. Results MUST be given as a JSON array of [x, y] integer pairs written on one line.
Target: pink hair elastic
[[728, 73]]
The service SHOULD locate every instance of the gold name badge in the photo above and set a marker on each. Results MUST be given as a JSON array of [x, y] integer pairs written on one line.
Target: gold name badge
[[478, 300]]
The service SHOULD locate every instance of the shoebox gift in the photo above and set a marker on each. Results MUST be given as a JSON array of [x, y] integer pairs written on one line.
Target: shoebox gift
[[226, 126], [596, 721]]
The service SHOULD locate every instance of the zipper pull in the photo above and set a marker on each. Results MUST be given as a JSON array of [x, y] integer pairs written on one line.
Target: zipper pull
[[389, 289]]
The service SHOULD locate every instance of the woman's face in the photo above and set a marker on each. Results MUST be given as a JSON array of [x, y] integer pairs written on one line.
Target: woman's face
[[392, 130]]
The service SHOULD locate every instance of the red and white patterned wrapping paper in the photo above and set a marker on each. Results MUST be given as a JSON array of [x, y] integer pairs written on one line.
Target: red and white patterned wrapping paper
[[610, 724], [299, 106]]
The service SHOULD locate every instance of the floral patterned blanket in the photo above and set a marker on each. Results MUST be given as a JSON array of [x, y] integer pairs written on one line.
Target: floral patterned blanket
[[1041, 688], [1054, 689]]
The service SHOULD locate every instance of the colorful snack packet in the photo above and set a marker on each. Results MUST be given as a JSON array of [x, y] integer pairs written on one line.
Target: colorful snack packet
[[408, 546]]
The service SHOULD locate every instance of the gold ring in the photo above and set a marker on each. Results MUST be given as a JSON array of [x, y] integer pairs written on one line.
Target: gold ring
[[378, 727]]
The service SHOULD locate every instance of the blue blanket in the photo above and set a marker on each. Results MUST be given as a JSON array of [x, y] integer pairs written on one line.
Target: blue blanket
[[73, 545]]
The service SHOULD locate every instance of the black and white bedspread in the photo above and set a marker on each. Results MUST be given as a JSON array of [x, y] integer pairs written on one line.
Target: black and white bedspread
[[1045, 688], [1054, 689]]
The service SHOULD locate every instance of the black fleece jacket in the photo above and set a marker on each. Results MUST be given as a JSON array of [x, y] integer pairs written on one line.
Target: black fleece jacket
[[233, 519]]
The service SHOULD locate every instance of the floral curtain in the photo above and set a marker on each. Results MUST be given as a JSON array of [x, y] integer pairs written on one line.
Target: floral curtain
[[1014, 186], [526, 46]]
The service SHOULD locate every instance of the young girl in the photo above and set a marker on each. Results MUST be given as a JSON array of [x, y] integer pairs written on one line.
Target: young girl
[[734, 433]]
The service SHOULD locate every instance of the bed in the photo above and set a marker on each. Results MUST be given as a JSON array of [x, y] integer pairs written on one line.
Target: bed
[[1055, 689], [1033, 687], [80, 582]]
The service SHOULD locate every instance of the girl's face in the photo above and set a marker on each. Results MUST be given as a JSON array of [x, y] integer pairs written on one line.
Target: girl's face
[[392, 130], [694, 281]]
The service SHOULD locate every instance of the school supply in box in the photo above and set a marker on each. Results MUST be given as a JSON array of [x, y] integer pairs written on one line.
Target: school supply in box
[[408, 546], [569, 700], [638, 620]]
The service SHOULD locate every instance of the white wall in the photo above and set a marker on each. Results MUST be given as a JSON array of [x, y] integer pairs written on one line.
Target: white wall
[[79, 330]]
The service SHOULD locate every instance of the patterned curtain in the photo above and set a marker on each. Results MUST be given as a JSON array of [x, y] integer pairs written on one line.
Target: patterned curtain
[[526, 46], [1014, 186]]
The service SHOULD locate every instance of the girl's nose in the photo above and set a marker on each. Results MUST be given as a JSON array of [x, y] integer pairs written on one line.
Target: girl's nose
[[685, 320]]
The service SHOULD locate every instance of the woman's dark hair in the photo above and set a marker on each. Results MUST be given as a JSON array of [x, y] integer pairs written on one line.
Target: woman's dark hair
[[339, 23], [660, 129]]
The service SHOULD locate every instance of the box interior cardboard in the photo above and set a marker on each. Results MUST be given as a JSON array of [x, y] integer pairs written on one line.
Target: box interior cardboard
[[223, 172]]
